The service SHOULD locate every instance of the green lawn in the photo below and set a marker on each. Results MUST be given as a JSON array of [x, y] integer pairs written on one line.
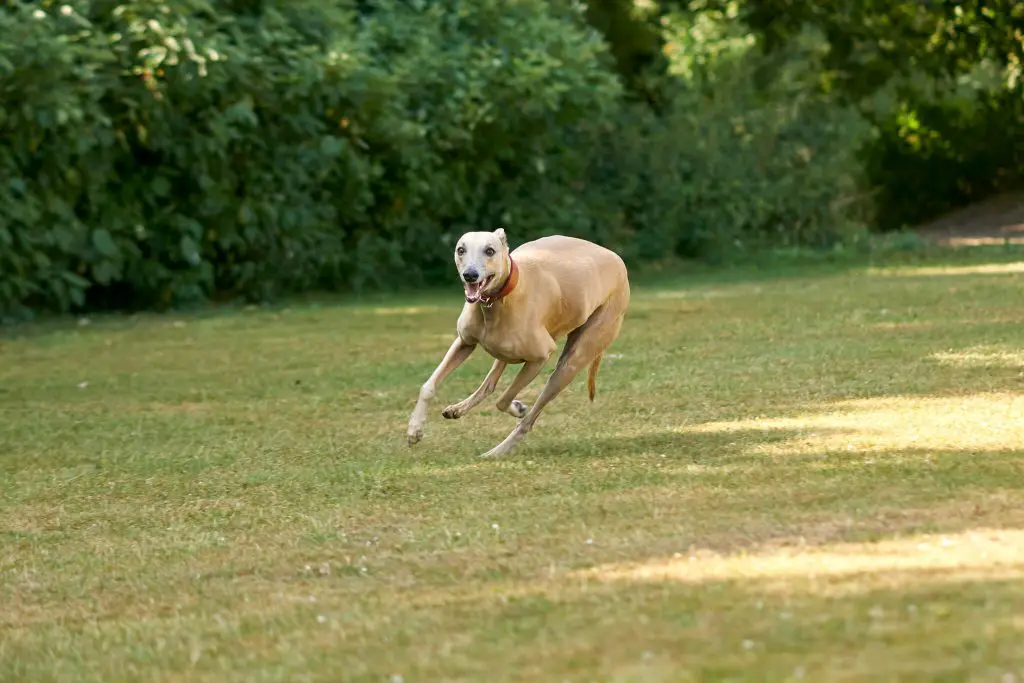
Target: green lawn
[[816, 475]]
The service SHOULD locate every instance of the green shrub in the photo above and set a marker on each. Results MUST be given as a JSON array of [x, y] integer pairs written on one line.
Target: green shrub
[[740, 162], [937, 151], [163, 154], [730, 165], [952, 130]]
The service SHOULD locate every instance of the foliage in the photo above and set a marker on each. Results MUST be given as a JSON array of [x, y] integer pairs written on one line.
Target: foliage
[[944, 143], [738, 164], [872, 41], [162, 154], [633, 32], [953, 76], [165, 154], [721, 166]]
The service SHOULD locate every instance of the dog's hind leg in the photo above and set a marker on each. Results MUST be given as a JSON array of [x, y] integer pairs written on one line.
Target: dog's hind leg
[[583, 346], [527, 374], [457, 410], [456, 356]]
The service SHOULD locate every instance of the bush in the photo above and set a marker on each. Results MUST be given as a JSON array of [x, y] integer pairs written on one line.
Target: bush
[[953, 75], [730, 163], [161, 155], [743, 168], [737, 162], [940, 149]]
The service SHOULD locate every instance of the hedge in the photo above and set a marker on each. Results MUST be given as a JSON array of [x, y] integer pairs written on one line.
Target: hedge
[[163, 154]]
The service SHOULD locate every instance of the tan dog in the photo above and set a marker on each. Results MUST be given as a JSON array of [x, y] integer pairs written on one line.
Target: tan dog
[[517, 305]]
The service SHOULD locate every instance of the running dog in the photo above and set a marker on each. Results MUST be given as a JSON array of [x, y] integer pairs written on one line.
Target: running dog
[[518, 304]]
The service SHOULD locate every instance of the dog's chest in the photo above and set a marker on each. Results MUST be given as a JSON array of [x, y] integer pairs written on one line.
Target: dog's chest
[[505, 349], [503, 341]]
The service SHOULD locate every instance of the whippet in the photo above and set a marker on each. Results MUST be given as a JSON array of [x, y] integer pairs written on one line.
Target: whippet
[[517, 305]]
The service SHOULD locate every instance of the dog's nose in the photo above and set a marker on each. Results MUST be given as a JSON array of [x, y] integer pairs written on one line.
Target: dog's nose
[[471, 275]]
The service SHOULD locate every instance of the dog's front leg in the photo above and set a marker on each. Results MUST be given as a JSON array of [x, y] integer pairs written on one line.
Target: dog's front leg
[[457, 354], [457, 410]]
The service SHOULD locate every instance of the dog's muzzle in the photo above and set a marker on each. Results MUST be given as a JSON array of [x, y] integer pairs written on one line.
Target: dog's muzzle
[[474, 285]]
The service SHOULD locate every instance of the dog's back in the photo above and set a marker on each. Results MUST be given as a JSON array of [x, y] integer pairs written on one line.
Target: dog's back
[[577, 277], [571, 257]]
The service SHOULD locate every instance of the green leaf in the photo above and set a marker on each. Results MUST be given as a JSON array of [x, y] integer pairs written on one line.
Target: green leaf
[[104, 243], [332, 146], [246, 214], [77, 296], [161, 186], [75, 280], [241, 112], [105, 272], [190, 251]]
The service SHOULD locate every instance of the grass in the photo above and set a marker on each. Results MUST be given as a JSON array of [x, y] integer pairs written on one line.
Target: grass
[[784, 477]]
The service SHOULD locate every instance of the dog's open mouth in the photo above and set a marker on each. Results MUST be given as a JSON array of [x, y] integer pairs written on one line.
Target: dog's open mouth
[[475, 289]]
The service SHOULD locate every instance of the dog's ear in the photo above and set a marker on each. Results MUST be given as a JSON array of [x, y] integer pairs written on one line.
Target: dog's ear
[[500, 233]]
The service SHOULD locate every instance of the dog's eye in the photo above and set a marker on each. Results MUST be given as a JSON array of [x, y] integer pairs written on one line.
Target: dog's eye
[[489, 251], [460, 251]]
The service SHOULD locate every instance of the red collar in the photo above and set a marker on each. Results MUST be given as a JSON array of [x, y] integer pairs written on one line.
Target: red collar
[[510, 283]]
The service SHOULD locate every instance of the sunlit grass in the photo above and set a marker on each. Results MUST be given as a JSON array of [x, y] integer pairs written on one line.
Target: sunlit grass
[[982, 358], [970, 269], [229, 497], [843, 568], [973, 423]]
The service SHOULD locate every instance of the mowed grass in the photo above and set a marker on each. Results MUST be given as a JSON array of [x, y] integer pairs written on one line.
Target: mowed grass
[[813, 477]]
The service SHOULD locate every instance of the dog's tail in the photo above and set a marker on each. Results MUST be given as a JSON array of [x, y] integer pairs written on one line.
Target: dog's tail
[[592, 379]]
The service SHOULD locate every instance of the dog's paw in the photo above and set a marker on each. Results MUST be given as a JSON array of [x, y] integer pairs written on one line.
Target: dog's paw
[[414, 434], [518, 409], [452, 412]]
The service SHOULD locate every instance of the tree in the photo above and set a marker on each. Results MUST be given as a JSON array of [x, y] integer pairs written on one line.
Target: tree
[[871, 41]]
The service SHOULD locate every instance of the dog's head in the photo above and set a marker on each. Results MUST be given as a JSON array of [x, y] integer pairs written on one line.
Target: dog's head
[[483, 262]]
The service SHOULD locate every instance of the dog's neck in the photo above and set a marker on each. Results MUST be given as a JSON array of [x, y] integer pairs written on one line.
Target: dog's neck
[[510, 283]]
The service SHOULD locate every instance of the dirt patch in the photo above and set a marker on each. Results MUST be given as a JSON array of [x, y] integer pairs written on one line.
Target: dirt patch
[[999, 220]]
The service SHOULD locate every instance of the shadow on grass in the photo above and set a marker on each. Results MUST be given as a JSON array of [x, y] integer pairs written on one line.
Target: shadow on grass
[[682, 445], [744, 488]]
